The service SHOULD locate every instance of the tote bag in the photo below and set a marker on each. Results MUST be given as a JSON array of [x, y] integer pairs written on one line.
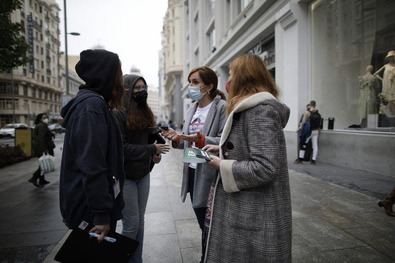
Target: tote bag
[[47, 163]]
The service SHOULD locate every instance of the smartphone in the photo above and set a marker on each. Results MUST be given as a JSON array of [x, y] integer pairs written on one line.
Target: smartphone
[[164, 127]]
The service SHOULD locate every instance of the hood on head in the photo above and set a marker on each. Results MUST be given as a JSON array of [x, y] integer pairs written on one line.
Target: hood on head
[[129, 80], [98, 69]]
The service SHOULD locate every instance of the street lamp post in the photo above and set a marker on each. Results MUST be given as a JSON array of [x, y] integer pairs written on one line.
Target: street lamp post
[[65, 47]]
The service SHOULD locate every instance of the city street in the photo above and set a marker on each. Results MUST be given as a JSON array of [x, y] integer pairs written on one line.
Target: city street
[[331, 222], [7, 141]]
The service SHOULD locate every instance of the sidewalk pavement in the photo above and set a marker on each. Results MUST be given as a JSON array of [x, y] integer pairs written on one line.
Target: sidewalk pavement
[[30, 221], [331, 223]]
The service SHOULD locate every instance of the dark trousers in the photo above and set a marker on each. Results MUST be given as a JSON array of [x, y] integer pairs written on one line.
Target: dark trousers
[[200, 212]]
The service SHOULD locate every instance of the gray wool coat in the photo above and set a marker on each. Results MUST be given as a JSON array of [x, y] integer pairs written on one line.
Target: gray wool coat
[[251, 209], [204, 174]]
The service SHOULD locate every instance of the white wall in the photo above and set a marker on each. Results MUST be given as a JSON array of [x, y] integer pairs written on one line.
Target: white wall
[[292, 59]]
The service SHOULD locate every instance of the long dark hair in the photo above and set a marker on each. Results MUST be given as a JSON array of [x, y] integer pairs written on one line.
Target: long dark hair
[[39, 117], [139, 117], [209, 77]]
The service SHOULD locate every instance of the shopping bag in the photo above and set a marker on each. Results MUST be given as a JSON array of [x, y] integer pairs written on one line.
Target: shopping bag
[[306, 150], [47, 163]]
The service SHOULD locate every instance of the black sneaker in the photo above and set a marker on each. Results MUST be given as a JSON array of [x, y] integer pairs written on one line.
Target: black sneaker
[[43, 182], [312, 162], [34, 182], [298, 161]]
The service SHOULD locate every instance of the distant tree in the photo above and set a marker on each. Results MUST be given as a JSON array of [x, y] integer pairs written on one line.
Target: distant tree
[[13, 46]]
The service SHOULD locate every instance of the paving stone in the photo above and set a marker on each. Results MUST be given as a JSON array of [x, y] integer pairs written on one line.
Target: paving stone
[[161, 248], [190, 255], [159, 223], [189, 233]]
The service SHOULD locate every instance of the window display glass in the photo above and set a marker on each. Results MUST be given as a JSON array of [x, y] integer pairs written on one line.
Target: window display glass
[[353, 62]]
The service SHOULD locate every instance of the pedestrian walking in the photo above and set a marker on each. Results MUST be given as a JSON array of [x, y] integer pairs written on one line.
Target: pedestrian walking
[[143, 147], [92, 172], [388, 203], [203, 125], [250, 218], [304, 132], [315, 126], [42, 144]]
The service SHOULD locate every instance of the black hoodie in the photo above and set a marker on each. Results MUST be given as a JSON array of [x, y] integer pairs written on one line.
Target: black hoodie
[[92, 153]]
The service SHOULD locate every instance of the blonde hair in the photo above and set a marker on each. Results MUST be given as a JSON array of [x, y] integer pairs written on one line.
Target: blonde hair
[[249, 76]]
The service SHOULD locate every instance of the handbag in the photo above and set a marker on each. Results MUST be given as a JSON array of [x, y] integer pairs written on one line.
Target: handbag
[[46, 163]]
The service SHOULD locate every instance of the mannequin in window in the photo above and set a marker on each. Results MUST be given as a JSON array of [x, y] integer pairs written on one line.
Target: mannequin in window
[[367, 95], [387, 96]]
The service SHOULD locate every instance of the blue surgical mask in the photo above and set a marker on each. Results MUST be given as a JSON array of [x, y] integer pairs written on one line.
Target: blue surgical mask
[[194, 92]]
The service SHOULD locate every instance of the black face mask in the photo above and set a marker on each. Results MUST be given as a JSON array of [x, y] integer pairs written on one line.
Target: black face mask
[[140, 97]]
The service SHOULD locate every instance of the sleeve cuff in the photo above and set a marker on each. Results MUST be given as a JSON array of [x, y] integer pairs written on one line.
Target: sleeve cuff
[[153, 150], [101, 219], [228, 180]]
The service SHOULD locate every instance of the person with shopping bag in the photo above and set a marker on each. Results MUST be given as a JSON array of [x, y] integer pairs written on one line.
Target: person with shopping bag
[[43, 146]]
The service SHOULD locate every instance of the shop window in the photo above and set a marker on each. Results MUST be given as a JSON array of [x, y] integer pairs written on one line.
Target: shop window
[[353, 62], [241, 4], [7, 88]]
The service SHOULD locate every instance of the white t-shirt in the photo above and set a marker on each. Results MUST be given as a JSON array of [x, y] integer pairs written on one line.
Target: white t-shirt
[[197, 123]]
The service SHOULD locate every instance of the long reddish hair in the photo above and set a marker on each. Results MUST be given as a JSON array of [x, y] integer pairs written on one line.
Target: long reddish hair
[[249, 75]]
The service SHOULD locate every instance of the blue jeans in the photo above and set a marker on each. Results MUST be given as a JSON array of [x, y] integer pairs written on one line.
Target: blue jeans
[[135, 194]]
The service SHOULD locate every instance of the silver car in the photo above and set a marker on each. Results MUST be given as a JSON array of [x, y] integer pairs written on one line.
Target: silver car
[[9, 129]]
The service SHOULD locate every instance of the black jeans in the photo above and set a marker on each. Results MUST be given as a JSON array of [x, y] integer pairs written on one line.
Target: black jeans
[[200, 212]]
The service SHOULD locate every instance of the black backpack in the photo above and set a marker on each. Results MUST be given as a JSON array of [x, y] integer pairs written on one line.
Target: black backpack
[[315, 120]]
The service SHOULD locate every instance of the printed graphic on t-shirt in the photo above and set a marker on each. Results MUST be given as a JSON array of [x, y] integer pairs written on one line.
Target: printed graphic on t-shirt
[[196, 125]]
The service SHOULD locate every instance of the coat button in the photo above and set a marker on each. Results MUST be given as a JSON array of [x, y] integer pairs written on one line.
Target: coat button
[[229, 145]]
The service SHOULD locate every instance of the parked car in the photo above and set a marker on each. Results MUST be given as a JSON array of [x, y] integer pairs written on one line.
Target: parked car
[[56, 128], [9, 129]]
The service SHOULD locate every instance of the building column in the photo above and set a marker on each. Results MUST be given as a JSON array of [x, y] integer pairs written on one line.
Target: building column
[[178, 103]]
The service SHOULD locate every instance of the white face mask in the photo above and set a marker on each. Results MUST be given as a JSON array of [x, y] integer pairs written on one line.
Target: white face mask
[[46, 120]]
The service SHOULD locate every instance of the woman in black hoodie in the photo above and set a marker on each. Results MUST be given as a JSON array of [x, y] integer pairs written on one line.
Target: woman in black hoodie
[[91, 176], [143, 147]]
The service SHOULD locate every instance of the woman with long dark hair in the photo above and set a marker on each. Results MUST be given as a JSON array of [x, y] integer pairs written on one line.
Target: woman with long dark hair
[[204, 123], [143, 147], [42, 144]]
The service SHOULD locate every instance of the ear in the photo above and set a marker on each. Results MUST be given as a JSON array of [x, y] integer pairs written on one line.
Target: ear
[[209, 87]]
